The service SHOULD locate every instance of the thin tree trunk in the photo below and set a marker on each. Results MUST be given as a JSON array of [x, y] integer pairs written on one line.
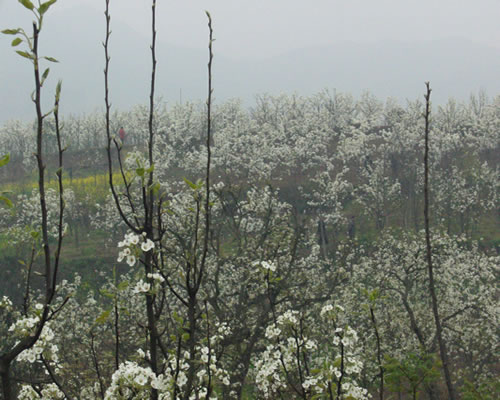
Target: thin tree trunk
[[149, 208], [379, 354], [432, 289]]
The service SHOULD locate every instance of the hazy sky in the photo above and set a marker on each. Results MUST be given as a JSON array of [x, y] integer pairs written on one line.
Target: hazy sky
[[249, 28], [388, 47]]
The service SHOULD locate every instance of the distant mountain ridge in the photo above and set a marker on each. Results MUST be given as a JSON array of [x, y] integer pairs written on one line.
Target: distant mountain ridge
[[455, 68]]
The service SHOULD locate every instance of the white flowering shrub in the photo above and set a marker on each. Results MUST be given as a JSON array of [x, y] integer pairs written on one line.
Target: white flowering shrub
[[464, 278], [301, 362], [25, 223], [131, 381]]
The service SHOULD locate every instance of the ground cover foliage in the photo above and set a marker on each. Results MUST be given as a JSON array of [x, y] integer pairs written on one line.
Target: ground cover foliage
[[274, 252]]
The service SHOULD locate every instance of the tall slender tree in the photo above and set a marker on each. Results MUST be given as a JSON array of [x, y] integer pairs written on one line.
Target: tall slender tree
[[50, 263], [430, 267]]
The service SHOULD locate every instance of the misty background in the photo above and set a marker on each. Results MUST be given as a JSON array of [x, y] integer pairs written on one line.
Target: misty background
[[388, 47]]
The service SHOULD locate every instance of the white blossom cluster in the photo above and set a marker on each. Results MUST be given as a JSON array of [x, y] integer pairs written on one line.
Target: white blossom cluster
[[5, 303], [26, 327], [131, 247], [134, 381], [314, 365], [43, 346], [49, 392], [154, 284], [266, 265], [209, 358]]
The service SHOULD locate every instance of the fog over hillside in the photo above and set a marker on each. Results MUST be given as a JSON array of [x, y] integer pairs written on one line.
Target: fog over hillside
[[456, 68]]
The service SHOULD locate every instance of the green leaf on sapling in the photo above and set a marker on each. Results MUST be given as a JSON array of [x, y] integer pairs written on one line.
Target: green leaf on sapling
[[25, 54], [45, 6], [16, 42], [11, 31], [51, 59], [27, 3], [44, 76]]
